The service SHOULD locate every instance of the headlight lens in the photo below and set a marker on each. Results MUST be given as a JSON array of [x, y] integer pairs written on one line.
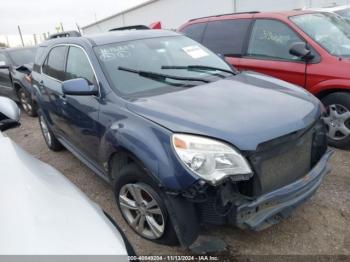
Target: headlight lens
[[210, 159]]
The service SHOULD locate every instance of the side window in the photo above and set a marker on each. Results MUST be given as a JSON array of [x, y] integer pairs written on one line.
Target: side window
[[226, 37], [44, 68], [3, 59], [195, 31], [54, 63], [78, 65], [272, 39]]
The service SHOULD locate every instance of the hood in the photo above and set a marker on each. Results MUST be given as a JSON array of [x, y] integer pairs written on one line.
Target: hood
[[244, 110], [25, 69], [43, 213]]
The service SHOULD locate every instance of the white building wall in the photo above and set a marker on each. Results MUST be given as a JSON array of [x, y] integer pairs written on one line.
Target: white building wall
[[173, 13]]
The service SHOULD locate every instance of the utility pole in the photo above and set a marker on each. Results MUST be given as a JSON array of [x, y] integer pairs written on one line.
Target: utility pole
[[35, 41], [7, 41], [78, 27], [234, 5], [20, 34], [61, 27]]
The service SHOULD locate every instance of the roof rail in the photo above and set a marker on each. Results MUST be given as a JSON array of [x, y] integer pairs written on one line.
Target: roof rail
[[239, 13], [132, 27]]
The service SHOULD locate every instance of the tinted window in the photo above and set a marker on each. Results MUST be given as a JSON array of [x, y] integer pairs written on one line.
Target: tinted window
[[23, 56], [195, 31], [78, 65], [54, 63], [272, 39], [226, 37]]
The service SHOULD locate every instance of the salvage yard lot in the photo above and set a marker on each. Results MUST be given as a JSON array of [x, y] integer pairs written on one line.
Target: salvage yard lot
[[320, 226]]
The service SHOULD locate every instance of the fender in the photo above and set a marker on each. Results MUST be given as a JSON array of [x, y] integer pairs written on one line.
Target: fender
[[150, 144], [328, 85]]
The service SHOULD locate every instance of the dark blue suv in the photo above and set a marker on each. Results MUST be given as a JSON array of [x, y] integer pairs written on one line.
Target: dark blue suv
[[184, 139]]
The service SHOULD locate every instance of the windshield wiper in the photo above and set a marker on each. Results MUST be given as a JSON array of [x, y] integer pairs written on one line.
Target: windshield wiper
[[159, 76], [200, 67]]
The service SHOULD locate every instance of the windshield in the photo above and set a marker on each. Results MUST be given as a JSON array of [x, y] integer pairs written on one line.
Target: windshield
[[344, 13], [151, 55], [23, 56], [329, 30]]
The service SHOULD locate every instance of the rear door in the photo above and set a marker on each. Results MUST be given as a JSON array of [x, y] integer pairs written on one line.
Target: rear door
[[268, 52], [50, 86], [227, 37]]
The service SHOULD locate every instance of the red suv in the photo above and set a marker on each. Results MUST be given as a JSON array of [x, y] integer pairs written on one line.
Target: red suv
[[307, 48]]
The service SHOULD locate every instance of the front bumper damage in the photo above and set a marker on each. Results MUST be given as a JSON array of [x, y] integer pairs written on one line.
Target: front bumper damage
[[269, 208], [225, 205]]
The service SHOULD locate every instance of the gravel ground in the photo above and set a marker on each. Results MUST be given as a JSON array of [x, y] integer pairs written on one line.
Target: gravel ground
[[321, 226]]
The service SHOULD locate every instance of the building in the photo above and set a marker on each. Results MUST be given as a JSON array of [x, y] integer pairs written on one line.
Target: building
[[173, 13]]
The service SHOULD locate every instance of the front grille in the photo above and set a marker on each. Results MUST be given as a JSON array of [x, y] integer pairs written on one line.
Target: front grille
[[284, 160]]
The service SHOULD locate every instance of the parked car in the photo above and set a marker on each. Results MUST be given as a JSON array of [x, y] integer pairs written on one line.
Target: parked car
[[342, 10], [65, 34], [15, 81], [183, 138], [42, 212], [306, 48]]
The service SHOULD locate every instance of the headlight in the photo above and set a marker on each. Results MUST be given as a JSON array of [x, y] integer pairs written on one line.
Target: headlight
[[210, 159]]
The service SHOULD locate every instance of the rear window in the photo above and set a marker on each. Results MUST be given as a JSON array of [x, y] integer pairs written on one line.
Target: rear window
[[226, 37], [194, 31]]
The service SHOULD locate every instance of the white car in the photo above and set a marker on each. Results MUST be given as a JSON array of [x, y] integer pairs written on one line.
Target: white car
[[42, 212]]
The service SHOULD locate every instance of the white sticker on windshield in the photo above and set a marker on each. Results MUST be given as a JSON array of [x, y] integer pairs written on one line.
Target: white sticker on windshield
[[195, 51]]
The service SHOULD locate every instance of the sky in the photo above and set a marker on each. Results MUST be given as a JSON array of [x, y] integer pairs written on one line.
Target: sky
[[39, 16]]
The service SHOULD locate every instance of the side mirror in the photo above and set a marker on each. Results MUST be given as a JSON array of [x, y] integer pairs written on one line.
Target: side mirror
[[9, 114], [78, 87], [300, 49]]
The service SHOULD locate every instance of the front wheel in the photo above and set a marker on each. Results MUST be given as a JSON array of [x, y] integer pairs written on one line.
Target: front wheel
[[50, 139], [141, 204], [27, 103], [337, 119]]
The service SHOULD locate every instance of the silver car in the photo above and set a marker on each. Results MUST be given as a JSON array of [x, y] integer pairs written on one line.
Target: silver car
[[42, 212]]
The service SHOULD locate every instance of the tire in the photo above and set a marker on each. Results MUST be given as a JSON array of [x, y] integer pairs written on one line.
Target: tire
[[28, 105], [50, 139], [132, 178], [337, 119]]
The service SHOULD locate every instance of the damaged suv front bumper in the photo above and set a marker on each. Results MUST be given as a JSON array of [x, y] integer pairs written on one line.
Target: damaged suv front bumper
[[269, 208]]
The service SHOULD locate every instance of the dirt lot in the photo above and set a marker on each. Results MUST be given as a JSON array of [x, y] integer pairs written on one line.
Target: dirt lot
[[320, 226]]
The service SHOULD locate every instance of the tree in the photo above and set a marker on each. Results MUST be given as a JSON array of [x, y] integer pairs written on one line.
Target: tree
[[3, 45]]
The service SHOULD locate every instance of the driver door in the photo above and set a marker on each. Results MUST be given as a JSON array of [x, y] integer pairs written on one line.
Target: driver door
[[81, 113], [268, 52]]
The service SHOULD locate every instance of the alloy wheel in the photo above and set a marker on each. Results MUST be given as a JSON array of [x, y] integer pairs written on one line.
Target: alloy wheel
[[142, 211], [25, 101], [46, 131], [337, 120]]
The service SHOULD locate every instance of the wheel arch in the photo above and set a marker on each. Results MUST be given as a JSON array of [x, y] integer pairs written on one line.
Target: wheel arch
[[122, 157], [325, 88]]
